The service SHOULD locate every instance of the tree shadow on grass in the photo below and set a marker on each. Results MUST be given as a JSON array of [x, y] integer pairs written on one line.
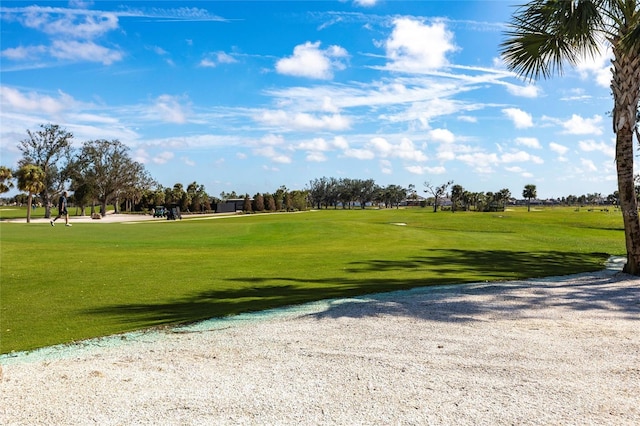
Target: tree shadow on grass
[[442, 267], [492, 264]]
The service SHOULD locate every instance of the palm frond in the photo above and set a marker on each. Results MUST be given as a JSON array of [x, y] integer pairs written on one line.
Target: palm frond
[[545, 34]]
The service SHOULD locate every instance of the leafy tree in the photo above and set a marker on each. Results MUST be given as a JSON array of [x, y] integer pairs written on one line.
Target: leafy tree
[[393, 195], [84, 193], [437, 191], [318, 191], [332, 193], [258, 203], [298, 200], [279, 197], [199, 198], [30, 179], [5, 179], [364, 191], [246, 206], [153, 197], [529, 192], [50, 149], [345, 192], [288, 202], [545, 34], [504, 195], [107, 165], [269, 202]]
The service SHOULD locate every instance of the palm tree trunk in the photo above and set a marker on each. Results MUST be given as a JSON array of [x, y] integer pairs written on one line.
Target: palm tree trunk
[[29, 203], [628, 200], [626, 93]]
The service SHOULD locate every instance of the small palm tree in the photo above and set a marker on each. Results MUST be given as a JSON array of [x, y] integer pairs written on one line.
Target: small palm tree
[[529, 192], [30, 179], [546, 34]]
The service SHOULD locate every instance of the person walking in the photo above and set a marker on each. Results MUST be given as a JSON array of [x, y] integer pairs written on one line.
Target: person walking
[[62, 210]]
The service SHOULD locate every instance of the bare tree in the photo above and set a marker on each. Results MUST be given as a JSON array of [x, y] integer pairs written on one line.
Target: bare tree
[[437, 191]]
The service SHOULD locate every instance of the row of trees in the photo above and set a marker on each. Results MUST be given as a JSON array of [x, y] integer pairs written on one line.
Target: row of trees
[[347, 192], [100, 172]]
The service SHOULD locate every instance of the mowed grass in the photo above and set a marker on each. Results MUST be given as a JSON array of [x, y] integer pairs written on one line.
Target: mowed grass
[[62, 284]]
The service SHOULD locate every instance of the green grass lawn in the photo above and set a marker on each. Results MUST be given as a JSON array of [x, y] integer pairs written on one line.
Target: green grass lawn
[[65, 284]]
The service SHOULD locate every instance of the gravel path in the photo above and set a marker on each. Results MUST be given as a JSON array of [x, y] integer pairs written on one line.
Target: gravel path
[[563, 350]]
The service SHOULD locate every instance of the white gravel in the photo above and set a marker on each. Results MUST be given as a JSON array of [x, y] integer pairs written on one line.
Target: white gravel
[[561, 351]]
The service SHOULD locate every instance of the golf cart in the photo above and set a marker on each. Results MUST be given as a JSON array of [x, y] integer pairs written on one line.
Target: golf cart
[[174, 213], [159, 211]]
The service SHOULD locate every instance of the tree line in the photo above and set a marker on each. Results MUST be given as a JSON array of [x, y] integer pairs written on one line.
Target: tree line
[[102, 173]]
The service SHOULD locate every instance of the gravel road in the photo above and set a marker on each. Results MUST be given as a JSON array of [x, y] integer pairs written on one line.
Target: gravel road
[[562, 350]]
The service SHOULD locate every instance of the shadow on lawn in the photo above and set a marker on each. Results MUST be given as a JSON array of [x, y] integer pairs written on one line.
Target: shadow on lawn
[[260, 293]]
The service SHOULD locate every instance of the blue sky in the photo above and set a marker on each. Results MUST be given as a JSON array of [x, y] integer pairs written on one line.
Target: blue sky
[[248, 96]]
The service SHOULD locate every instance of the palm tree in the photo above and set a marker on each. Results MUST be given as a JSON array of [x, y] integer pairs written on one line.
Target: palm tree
[[529, 192], [30, 179], [457, 192], [5, 176], [545, 34]]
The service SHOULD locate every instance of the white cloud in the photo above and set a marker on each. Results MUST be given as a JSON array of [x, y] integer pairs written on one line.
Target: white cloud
[[597, 67], [481, 162], [141, 156], [315, 149], [303, 121], [521, 119], [514, 169], [420, 170], [590, 146], [417, 48], [188, 161], [520, 157], [75, 23], [340, 142], [84, 51], [214, 59], [316, 157], [557, 148], [14, 99], [442, 135], [273, 140], [308, 60], [528, 91], [72, 33], [365, 3], [360, 154], [416, 170], [405, 150], [163, 157], [577, 125], [528, 142], [588, 165], [316, 144], [170, 110], [272, 154], [446, 155], [386, 167], [467, 119], [23, 52], [328, 105]]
